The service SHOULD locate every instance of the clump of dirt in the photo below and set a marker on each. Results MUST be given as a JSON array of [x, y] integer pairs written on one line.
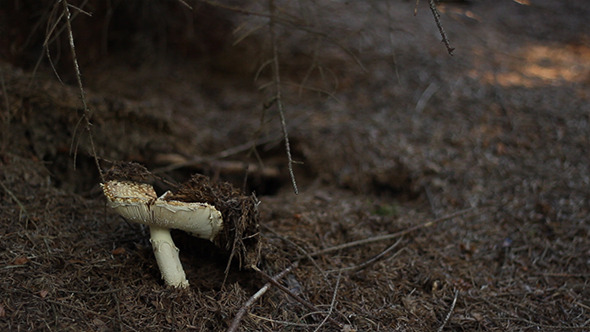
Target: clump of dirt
[[241, 229], [128, 171]]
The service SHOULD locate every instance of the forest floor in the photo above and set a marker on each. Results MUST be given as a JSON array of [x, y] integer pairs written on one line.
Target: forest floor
[[465, 179]]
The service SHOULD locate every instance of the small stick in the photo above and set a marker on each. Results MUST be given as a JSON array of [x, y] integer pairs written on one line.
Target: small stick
[[236, 322], [436, 15], [450, 312], [332, 303], [294, 296], [387, 236], [373, 259]]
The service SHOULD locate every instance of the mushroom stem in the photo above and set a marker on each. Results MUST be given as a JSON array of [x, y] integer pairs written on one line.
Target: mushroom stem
[[167, 257]]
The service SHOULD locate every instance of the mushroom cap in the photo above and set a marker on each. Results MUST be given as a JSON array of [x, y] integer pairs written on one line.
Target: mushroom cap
[[124, 192], [200, 219], [130, 199], [138, 202]]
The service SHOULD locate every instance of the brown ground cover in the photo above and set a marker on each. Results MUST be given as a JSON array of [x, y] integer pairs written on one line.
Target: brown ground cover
[[436, 192]]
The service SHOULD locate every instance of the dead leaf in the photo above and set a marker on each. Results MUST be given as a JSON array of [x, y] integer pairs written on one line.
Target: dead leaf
[[43, 293], [477, 316], [501, 149], [21, 260], [118, 251]]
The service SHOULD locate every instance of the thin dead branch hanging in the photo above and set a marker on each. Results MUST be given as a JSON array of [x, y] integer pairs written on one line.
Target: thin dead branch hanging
[[87, 113], [277, 85], [51, 31]]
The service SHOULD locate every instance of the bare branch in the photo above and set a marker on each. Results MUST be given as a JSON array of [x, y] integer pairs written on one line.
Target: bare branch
[[278, 95], [87, 112], [388, 236], [293, 295], [334, 296], [450, 312], [236, 322], [436, 15], [373, 259]]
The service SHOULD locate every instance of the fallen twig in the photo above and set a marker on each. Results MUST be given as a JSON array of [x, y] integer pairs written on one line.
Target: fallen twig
[[332, 303], [436, 15], [294, 296], [372, 260], [450, 312], [236, 322], [387, 236]]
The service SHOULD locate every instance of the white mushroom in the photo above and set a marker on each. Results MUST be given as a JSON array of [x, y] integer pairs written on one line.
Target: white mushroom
[[139, 203]]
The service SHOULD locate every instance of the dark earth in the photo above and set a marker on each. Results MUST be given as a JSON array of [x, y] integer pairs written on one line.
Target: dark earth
[[435, 192]]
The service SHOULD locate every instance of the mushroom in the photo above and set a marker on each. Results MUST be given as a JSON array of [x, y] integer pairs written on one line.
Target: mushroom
[[139, 203]]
